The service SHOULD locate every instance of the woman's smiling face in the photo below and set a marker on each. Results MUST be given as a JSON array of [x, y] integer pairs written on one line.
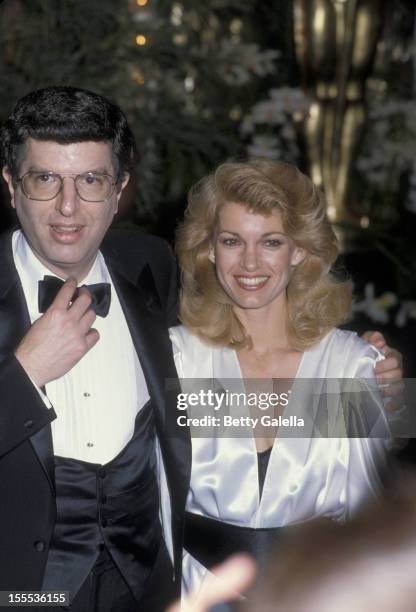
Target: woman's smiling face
[[253, 256]]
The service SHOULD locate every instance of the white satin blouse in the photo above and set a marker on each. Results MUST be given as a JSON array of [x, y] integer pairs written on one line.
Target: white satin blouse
[[306, 477]]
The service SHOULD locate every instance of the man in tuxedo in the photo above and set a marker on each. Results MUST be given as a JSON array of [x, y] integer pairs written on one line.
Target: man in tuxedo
[[85, 354]]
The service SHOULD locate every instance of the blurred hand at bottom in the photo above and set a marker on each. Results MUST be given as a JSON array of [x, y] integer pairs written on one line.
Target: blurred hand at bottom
[[225, 583]]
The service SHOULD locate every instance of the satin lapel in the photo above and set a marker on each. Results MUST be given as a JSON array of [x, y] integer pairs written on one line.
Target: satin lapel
[[150, 336], [14, 323], [42, 443]]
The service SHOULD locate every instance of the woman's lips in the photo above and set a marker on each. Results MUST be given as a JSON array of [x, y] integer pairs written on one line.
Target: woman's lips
[[251, 283]]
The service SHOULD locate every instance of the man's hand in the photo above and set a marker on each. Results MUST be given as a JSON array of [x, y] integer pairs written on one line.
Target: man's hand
[[60, 337], [389, 372], [225, 583]]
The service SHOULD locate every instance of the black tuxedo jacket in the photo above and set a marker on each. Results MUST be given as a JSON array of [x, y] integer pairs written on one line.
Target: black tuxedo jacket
[[143, 272]]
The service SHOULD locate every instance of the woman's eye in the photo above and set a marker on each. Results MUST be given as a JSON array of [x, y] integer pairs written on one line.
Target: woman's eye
[[272, 242], [230, 241]]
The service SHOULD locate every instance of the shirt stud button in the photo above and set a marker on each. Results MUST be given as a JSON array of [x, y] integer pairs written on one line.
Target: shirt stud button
[[86, 394], [40, 546], [90, 444]]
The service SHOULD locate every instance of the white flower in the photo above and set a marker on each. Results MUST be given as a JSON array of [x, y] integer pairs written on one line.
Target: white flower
[[407, 311], [390, 143], [238, 62], [277, 133], [376, 308], [264, 146], [268, 112]]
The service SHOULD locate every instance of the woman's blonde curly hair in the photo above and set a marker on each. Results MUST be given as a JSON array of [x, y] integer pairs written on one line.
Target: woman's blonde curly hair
[[317, 302]]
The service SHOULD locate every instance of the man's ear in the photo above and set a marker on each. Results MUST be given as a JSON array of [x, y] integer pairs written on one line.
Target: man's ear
[[9, 180], [120, 188], [121, 184], [298, 256], [126, 178]]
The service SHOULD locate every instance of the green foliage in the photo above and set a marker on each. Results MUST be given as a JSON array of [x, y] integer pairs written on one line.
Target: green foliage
[[184, 91]]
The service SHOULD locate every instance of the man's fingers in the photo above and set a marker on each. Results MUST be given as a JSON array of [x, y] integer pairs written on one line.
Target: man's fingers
[[64, 299], [81, 304], [91, 338], [65, 294], [87, 320]]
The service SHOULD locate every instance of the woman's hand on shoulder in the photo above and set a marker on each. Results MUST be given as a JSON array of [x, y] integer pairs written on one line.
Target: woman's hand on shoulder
[[388, 371]]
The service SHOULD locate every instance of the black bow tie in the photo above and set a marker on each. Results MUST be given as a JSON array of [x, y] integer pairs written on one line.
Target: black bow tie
[[100, 293]]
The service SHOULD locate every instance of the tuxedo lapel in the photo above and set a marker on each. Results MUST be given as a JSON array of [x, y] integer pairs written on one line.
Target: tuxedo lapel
[[43, 446], [147, 325], [14, 317], [14, 323], [141, 307]]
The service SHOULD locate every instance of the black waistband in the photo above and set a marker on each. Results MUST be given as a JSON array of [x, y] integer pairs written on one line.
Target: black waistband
[[211, 541]]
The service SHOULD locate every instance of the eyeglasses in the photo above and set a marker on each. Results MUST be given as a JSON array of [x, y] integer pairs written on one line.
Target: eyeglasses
[[90, 186]]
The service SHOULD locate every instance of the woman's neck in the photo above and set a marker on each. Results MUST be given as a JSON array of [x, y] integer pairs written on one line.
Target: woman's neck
[[267, 327]]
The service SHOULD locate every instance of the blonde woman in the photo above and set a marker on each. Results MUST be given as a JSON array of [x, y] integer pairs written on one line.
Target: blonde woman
[[259, 301]]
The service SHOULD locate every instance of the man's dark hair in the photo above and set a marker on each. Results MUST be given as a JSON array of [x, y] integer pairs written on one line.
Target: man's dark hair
[[66, 115]]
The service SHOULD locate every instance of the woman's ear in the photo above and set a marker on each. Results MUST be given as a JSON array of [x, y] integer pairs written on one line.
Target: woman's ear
[[298, 256], [211, 254]]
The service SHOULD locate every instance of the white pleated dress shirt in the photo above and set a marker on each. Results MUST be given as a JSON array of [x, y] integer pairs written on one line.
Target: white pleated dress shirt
[[97, 401]]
